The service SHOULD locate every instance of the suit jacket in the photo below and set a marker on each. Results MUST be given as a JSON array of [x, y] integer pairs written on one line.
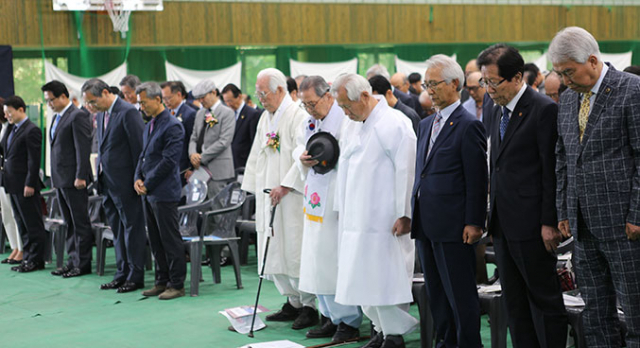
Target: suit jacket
[[119, 148], [216, 149], [71, 148], [601, 175], [245, 132], [21, 160], [187, 116], [523, 183], [488, 119], [158, 162], [452, 181], [410, 113], [410, 100]]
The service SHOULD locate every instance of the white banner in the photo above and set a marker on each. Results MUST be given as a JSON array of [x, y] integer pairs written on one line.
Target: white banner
[[407, 67], [619, 60], [74, 83], [328, 71], [190, 78]]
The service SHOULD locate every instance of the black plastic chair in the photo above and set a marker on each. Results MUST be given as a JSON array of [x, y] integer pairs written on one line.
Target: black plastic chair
[[214, 222]]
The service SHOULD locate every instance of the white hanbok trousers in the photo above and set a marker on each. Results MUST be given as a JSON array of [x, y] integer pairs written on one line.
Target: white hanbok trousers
[[288, 286], [391, 320], [339, 313]]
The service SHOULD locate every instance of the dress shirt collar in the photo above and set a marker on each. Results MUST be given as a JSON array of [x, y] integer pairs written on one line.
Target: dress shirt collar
[[512, 104], [446, 112]]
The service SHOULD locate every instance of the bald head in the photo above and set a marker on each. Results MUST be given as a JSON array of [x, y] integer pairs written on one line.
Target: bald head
[[426, 103], [400, 81], [471, 67], [553, 86], [473, 86]]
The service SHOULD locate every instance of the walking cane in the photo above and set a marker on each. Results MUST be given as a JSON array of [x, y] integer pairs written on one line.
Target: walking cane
[[264, 262]]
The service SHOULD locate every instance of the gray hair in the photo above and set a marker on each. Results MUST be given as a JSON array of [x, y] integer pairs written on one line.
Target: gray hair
[[451, 70], [202, 88], [354, 84], [378, 69], [95, 87], [276, 79], [130, 80], [152, 88], [573, 44], [319, 85]]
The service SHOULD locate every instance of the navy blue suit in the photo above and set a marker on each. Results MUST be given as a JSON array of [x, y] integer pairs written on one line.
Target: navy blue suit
[[246, 126], [158, 169], [119, 147], [187, 116], [450, 191]]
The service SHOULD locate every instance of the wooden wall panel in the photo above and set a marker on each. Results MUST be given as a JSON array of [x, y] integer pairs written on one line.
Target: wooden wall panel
[[272, 24]]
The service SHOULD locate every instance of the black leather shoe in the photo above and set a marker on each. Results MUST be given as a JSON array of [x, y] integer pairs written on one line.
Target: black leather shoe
[[375, 341], [326, 330], [393, 341], [287, 313], [15, 262], [30, 266], [16, 268], [61, 271], [76, 272], [129, 286], [345, 333], [308, 317], [7, 260], [114, 284]]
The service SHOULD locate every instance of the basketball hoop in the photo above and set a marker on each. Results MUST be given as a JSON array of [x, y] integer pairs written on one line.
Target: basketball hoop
[[119, 17]]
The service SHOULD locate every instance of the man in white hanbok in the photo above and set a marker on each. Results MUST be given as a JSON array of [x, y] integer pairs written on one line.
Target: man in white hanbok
[[271, 166], [375, 176], [319, 261]]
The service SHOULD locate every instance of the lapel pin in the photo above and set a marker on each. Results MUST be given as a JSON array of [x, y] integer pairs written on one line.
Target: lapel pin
[[451, 123], [520, 114], [242, 117], [608, 90]]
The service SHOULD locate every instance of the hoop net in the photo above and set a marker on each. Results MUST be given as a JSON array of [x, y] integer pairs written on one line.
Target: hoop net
[[119, 18]]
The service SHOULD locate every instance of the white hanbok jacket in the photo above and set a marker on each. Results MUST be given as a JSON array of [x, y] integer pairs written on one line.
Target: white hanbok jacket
[[375, 178], [268, 168], [319, 263]]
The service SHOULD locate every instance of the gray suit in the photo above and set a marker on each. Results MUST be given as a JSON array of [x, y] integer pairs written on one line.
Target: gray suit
[[216, 147], [598, 191]]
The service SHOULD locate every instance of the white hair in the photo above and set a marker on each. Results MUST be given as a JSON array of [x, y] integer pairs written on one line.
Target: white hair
[[354, 84], [276, 79], [378, 69], [573, 44], [451, 70]]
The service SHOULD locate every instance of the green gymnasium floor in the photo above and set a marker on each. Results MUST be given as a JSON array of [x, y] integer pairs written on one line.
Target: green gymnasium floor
[[38, 309]]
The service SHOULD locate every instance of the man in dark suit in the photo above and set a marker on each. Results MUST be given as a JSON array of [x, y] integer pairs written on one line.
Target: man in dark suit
[[381, 86], [246, 124], [21, 149], [598, 173], [174, 95], [70, 139], [120, 142], [522, 215], [449, 205], [158, 182]]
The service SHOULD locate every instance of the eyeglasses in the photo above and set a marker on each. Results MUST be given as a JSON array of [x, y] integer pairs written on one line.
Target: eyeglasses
[[91, 102], [431, 85], [261, 95], [312, 105], [489, 83], [51, 100], [473, 88], [568, 73]]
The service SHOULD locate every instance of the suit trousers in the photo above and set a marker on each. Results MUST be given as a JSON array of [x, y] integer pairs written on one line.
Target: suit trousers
[[28, 214], [9, 221], [126, 219], [166, 243], [450, 275], [531, 290], [74, 205], [607, 271]]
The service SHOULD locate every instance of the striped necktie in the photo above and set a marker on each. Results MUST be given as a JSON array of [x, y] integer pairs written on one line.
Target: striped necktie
[[435, 130]]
